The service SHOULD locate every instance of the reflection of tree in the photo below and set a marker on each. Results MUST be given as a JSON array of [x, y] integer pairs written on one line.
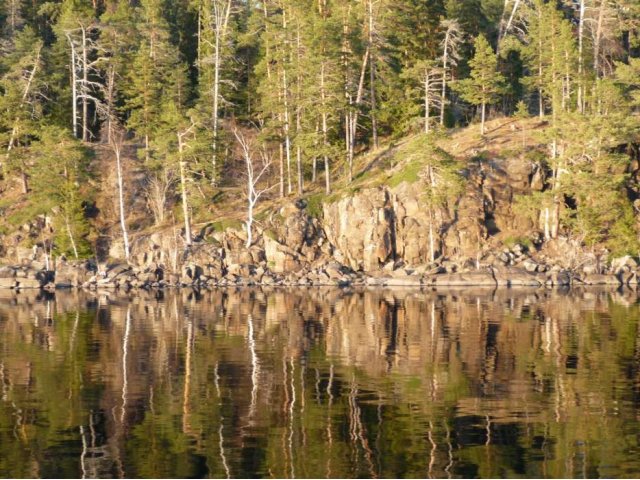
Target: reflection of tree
[[319, 383]]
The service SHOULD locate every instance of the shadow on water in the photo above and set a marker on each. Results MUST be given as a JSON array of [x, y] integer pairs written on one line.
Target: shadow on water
[[320, 383]]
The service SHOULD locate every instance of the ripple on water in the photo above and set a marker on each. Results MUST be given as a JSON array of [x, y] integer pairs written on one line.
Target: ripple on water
[[320, 383]]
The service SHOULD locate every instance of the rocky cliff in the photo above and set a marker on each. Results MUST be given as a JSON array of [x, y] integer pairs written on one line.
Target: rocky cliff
[[379, 232]]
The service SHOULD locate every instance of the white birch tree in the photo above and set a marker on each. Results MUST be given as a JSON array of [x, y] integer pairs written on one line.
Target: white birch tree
[[257, 165]]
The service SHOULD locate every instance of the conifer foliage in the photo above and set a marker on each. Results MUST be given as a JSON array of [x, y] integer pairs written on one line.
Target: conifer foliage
[[173, 85]]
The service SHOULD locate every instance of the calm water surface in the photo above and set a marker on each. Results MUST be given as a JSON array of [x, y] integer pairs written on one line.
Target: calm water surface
[[320, 383]]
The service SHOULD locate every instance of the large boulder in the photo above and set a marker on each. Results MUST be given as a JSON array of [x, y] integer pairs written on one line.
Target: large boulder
[[280, 258], [461, 279], [361, 228], [516, 277]]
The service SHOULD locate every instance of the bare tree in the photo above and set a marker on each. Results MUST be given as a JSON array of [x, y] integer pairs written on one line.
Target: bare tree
[[505, 25], [156, 193], [117, 138], [183, 135], [255, 170], [83, 69], [431, 79], [450, 54], [353, 114]]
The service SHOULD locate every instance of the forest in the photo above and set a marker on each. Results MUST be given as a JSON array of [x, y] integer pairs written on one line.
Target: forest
[[277, 98]]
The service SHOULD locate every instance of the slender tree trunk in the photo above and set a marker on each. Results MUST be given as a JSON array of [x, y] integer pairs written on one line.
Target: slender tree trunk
[[74, 85], [567, 82], [325, 130], [581, 56], [427, 106], [598, 38], [356, 110], [314, 169], [123, 224], [216, 98], [110, 91], [285, 98], [85, 86], [507, 27], [199, 38], [24, 180], [347, 93], [71, 239], [445, 61], [249, 224], [483, 114], [555, 225], [281, 147], [221, 24], [147, 149], [183, 191], [372, 77], [540, 71], [299, 112]]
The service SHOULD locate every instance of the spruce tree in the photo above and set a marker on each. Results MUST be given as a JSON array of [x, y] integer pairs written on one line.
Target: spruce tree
[[60, 188], [485, 83], [22, 84]]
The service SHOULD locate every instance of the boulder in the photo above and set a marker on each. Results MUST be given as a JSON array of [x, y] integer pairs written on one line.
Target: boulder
[[407, 281], [28, 283], [6, 282], [7, 272], [280, 258], [515, 277], [461, 279], [559, 278], [362, 228], [600, 279]]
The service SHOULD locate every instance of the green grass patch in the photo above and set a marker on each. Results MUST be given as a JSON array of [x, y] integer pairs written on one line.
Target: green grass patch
[[314, 205], [23, 215], [511, 242], [271, 234], [409, 174], [226, 224]]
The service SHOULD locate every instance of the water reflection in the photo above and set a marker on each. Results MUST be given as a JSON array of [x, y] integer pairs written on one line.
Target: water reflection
[[320, 383]]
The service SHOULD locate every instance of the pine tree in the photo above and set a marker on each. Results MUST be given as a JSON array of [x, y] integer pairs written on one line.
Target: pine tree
[[118, 42], [60, 188], [22, 84], [156, 74], [216, 35], [522, 114], [485, 84]]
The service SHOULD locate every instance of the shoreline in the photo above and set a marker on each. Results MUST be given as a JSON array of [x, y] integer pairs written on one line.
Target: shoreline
[[127, 278]]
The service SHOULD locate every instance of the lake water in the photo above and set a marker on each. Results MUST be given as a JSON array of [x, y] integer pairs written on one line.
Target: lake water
[[320, 383]]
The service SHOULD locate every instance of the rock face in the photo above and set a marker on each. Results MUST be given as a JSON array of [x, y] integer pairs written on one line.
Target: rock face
[[377, 225], [501, 181], [376, 236], [362, 229]]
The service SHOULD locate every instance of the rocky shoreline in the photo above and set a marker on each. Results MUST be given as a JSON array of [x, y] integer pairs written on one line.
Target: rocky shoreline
[[376, 237], [88, 275]]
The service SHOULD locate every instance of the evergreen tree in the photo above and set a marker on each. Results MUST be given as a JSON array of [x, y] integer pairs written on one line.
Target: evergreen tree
[[156, 74], [60, 175], [485, 84], [21, 84]]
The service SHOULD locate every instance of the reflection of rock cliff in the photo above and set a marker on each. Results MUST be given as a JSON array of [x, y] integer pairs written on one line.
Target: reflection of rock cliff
[[120, 369]]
